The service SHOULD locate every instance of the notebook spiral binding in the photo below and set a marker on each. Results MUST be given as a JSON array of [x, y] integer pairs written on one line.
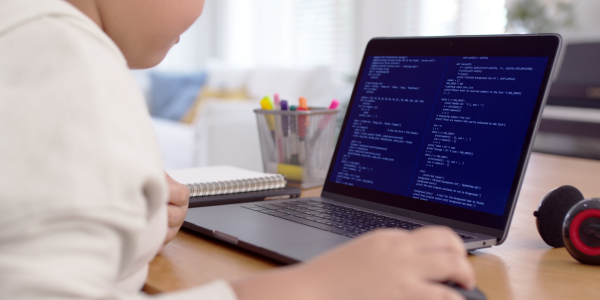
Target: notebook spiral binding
[[275, 181]]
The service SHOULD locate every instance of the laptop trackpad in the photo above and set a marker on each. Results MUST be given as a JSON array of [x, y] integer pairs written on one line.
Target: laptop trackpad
[[287, 238]]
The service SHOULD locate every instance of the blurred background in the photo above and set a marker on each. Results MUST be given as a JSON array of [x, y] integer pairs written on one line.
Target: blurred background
[[202, 95]]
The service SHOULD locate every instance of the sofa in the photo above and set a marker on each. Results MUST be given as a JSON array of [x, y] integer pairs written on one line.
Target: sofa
[[220, 126]]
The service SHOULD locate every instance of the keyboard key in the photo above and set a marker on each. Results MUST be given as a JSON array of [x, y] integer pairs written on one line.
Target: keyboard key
[[270, 206], [256, 208], [322, 221], [317, 225], [300, 215], [318, 214], [334, 218], [274, 213]]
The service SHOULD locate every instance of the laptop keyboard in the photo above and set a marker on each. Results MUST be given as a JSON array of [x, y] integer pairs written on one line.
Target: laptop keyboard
[[334, 218]]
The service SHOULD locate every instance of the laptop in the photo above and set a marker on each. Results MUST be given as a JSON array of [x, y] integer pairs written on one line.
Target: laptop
[[438, 131]]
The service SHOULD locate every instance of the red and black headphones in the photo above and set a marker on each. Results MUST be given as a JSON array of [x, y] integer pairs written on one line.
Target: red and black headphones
[[565, 218]]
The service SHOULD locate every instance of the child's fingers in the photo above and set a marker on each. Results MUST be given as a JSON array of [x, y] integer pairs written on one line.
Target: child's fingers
[[437, 238], [445, 266], [436, 291], [176, 215], [179, 194]]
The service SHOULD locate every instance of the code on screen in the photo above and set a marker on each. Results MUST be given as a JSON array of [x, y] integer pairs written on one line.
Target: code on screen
[[443, 129]]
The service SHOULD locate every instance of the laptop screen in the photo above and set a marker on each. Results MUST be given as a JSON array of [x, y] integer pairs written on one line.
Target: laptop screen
[[445, 129]]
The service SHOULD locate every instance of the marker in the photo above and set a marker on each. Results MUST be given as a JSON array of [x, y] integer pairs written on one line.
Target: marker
[[334, 105], [270, 101], [276, 101], [284, 118], [302, 123], [285, 125], [266, 105], [303, 103], [278, 132], [302, 119], [302, 130], [291, 172], [323, 124], [294, 137]]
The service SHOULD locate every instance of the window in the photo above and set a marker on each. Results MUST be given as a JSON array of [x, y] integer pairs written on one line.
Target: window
[[307, 33], [425, 18], [289, 33]]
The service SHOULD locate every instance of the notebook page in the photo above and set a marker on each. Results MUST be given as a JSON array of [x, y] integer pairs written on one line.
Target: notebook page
[[214, 174]]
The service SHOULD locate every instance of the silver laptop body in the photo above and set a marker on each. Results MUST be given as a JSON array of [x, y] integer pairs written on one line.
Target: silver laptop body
[[477, 190]]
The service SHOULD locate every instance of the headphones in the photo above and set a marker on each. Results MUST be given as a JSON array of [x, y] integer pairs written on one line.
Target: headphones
[[566, 218]]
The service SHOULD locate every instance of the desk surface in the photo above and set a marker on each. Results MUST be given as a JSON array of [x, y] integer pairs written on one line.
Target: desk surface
[[524, 267]]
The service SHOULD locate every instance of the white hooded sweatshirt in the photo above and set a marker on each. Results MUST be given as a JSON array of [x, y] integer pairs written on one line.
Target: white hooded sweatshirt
[[82, 192]]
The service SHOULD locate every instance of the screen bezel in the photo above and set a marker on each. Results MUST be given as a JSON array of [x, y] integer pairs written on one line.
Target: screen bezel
[[501, 45]]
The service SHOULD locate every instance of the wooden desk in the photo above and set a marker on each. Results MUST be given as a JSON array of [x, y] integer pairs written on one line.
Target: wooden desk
[[524, 267]]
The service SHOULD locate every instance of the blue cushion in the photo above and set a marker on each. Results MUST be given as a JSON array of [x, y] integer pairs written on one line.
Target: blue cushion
[[172, 94]]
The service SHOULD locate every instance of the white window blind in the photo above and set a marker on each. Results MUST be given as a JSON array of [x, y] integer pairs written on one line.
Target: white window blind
[[306, 33], [426, 18], [452, 17], [289, 33]]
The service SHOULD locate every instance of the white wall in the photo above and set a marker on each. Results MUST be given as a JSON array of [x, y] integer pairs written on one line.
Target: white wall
[[587, 23], [197, 45], [207, 38], [377, 18]]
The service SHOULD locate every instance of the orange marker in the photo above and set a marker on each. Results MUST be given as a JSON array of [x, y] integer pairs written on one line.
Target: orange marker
[[303, 122], [303, 103]]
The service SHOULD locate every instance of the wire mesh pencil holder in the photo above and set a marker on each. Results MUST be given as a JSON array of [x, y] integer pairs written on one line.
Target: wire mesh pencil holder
[[297, 144]]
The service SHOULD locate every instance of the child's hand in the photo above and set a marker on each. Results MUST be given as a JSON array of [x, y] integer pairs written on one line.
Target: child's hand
[[386, 265], [179, 197], [394, 264]]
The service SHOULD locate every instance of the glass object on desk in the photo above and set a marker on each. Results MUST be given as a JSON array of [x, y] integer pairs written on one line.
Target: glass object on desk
[[297, 144]]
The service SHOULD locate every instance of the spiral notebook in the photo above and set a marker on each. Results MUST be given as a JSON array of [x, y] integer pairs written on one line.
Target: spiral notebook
[[224, 180]]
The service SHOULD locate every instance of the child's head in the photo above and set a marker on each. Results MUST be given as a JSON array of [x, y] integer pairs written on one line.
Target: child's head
[[144, 30]]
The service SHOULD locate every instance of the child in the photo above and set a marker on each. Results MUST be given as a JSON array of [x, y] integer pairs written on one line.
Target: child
[[83, 199]]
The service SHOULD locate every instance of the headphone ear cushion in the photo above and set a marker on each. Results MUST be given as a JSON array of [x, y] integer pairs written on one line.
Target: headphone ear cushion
[[552, 211]]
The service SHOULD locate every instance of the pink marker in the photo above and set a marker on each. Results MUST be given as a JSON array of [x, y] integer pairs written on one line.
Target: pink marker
[[277, 102], [323, 123], [334, 104]]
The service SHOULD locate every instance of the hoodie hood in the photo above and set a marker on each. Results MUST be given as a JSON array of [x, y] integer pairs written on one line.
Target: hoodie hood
[[15, 13]]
